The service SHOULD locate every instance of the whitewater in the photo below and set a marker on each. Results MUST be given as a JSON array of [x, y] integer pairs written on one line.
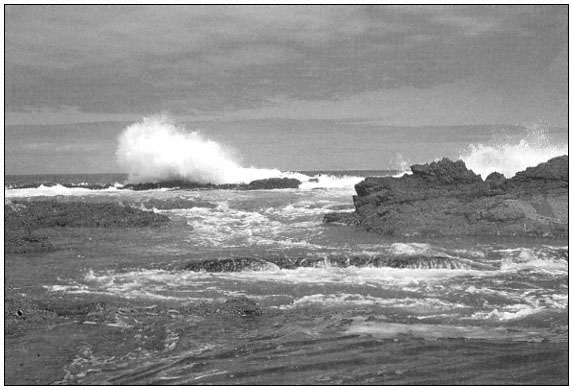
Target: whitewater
[[350, 308]]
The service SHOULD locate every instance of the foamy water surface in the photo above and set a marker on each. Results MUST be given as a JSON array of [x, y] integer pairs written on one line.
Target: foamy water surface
[[350, 291]]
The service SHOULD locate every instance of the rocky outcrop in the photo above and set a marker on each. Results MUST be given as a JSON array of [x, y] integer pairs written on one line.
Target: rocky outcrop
[[263, 184], [22, 218], [273, 183], [341, 218], [53, 213], [445, 198], [174, 184], [276, 262]]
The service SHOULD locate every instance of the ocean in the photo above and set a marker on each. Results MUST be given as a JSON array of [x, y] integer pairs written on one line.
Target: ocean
[[354, 308]]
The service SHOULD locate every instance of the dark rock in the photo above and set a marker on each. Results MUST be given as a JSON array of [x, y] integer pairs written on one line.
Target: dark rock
[[94, 186], [341, 218], [263, 184], [67, 309], [273, 262], [21, 218], [52, 213], [172, 184], [495, 179], [555, 169], [233, 307], [445, 172], [273, 183], [174, 203], [242, 306], [252, 264], [229, 265], [446, 199]]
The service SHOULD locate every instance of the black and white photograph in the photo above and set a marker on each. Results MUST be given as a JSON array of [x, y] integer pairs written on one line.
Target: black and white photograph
[[286, 194]]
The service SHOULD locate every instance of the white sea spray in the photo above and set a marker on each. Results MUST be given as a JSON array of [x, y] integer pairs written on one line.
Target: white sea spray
[[511, 155]]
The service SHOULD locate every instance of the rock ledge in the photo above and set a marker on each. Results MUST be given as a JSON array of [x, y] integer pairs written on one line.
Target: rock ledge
[[445, 198]]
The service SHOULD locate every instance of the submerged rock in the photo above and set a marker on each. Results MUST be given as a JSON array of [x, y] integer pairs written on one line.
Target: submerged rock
[[20, 241], [174, 203], [445, 198], [233, 307]]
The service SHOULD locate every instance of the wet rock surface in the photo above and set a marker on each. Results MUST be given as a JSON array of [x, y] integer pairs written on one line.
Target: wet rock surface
[[234, 307], [227, 265], [317, 261], [344, 218], [446, 199], [53, 213], [171, 204], [22, 218], [175, 184], [263, 184], [273, 183]]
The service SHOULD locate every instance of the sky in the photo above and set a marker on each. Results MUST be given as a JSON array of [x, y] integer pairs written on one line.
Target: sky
[[403, 65]]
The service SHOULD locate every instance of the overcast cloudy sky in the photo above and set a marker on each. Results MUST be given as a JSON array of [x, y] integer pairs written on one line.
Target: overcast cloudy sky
[[395, 64]]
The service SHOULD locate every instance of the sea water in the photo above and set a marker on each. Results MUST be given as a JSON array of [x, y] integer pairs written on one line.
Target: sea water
[[451, 310]]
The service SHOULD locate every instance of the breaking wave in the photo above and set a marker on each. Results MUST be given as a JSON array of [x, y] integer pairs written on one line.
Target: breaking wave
[[157, 150], [509, 156]]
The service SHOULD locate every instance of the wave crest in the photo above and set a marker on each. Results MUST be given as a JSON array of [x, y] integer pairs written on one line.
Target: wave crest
[[509, 156], [157, 150]]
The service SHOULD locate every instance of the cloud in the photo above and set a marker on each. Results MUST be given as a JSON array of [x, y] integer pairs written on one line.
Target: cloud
[[461, 102], [186, 59]]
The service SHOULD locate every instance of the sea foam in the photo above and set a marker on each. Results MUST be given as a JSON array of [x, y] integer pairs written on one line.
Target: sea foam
[[509, 156], [157, 150], [56, 190]]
